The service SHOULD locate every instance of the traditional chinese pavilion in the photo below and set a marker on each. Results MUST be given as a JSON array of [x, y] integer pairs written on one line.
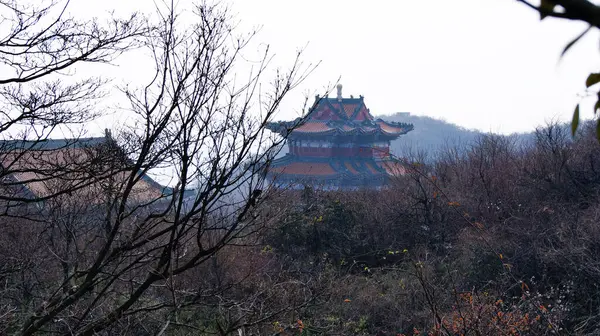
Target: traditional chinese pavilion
[[337, 145]]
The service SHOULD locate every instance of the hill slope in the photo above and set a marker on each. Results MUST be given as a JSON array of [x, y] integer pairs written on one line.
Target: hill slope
[[429, 135]]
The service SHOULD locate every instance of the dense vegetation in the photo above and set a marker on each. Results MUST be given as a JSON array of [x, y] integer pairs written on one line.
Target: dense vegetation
[[498, 237], [500, 240]]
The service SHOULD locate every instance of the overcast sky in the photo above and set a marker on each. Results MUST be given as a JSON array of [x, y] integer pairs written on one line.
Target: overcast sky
[[484, 64]]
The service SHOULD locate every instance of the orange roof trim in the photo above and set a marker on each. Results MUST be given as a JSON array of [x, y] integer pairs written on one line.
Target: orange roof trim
[[305, 168], [390, 129], [351, 169], [371, 168], [313, 127], [393, 168]]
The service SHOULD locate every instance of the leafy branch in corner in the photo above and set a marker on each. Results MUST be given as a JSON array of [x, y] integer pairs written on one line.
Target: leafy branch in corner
[[577, 10]]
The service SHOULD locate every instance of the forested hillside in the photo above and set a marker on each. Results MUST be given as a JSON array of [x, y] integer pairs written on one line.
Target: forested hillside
[[430, 135], [499, 240]]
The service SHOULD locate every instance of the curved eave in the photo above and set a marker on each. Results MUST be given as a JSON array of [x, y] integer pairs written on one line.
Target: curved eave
[[327, 132], [357, 131], [279, 129], [294, 128], [404, 127], [396, 134], [284, 128]]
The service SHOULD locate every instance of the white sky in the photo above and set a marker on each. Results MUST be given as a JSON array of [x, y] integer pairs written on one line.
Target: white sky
[[485, 64]]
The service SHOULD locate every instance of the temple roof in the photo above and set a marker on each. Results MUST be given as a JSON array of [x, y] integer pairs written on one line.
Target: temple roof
[[38, 169], [319, 127], [339, 116], [292, 167], [51, 144]]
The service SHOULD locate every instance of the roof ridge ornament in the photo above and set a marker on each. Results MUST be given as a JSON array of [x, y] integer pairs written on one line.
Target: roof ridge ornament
[[339, 92]]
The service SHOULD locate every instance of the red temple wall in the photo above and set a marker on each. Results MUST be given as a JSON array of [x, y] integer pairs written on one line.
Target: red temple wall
[[381, 152], [313, 151]]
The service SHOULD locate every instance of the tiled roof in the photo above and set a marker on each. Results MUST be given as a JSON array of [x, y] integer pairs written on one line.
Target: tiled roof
[[368, 129], [390, 128], [314, 127], [322, 127], [348, 166], [304, 168], [393, 168], [342, 116], [363, 114], [371, 169], [292, 166], [345, 108], [349, 109], [53, 166], [50, 144]]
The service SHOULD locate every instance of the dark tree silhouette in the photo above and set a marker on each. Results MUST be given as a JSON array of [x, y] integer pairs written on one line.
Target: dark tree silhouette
[[107, 245], [40, 45]]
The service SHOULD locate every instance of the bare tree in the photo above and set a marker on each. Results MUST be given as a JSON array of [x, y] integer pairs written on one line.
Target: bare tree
[[111, 254], [40, 46]]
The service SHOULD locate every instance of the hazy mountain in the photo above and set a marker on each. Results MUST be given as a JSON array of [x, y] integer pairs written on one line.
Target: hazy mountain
[[429, 135]]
